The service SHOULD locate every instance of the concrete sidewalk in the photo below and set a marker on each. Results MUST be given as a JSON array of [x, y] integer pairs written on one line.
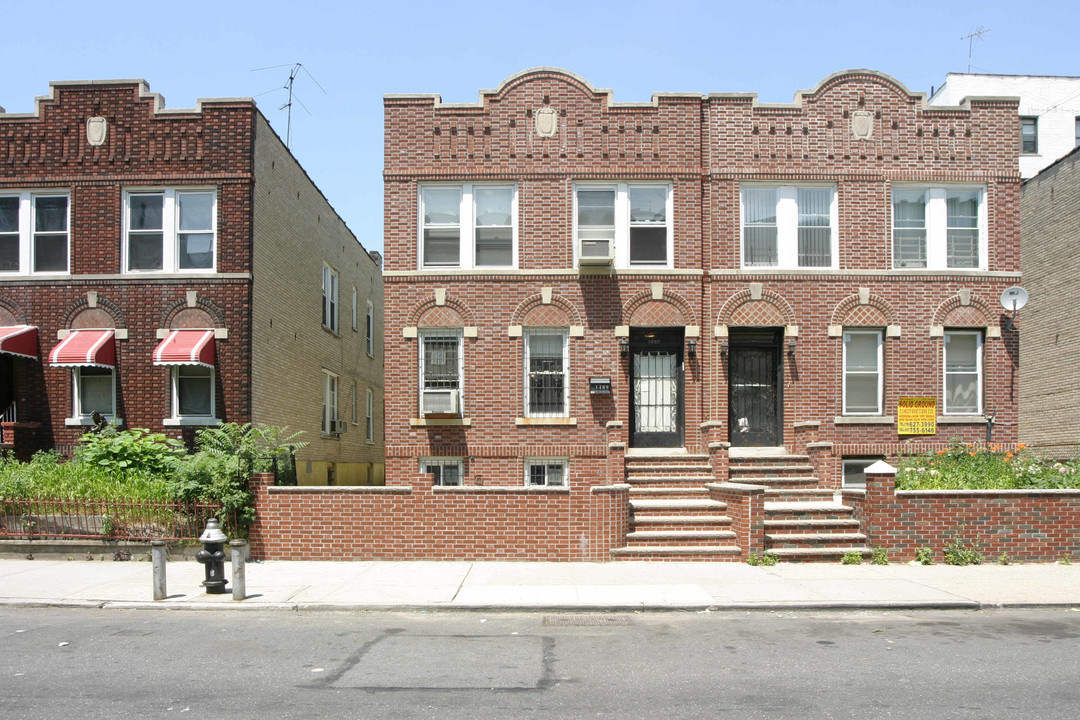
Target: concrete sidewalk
[[543, 586]]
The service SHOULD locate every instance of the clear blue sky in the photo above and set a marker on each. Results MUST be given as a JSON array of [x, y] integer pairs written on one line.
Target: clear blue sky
[[359, 51]]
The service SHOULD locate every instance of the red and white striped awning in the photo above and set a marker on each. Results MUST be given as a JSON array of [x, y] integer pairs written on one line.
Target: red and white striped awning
[[186, 347], [20, 340], [85, 348]]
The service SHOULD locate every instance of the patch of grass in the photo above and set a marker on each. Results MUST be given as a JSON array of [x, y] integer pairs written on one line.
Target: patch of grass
[[960, 553], [766, 558]]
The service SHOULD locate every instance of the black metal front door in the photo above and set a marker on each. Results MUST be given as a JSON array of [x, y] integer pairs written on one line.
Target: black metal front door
[[656, 388], [754, 389]]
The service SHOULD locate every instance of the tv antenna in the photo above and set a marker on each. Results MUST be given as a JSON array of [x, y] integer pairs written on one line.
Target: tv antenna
[[295, 69], [976, 34]]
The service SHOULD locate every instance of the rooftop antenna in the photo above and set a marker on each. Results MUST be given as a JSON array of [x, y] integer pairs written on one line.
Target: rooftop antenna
[[976, 34], [294, 70]]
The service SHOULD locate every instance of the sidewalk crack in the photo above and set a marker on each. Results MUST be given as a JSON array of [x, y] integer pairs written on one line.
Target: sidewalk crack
[[462, 583]]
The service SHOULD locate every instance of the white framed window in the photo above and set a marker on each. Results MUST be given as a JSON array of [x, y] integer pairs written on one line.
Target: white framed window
[[545, 472], [963, 381], [329, 298], [547, 384], [1029, 136], [95, 391], [441, 373], [329, 403], [789, 226], [369, 415], [170, 230], [369, 329], [628, 222], [355, 310], [192, 392], [468, 225], [354, 415], [854, 470], [444, 471], [34, 232], [939, 228], [863, 377]]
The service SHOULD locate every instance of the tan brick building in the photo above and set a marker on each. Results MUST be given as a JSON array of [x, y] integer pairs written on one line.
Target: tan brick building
[[171, 269], [1050, 375], [583, 293]]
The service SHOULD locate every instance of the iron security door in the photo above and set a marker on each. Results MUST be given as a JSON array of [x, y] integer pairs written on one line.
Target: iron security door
[[656, 399], [754, 390]]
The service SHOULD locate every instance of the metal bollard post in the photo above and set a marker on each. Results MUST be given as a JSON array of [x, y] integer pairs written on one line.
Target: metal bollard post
[[157, 556], [239, 569]]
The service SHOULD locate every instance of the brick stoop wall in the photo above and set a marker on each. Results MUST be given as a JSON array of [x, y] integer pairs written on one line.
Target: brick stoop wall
[[415, 521], [1027, 525]]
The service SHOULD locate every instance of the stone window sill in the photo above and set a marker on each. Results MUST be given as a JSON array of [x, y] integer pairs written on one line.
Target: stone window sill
[[526, 421], [440, 422], [864, 420]]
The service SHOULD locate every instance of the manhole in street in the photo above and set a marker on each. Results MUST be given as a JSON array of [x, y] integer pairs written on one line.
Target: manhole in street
[[586, 620]]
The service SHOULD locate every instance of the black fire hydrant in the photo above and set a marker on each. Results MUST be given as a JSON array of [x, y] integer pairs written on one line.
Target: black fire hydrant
[[212, 556]]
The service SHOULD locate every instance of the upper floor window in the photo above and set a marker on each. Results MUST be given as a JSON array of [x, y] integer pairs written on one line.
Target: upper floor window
[[369, 328], [170, 230], [355, 308], [784, 226], [466, 226], [1077, 143], [330, 423], [330, 298], [625, 223], [1029, 135], [939, 228], [369, 415], [34, 232]]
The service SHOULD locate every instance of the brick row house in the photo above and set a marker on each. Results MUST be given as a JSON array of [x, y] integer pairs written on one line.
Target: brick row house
[[583, 294], [171, 269]]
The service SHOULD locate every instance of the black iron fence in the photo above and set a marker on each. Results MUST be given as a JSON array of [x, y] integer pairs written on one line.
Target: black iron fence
[[46, 518]]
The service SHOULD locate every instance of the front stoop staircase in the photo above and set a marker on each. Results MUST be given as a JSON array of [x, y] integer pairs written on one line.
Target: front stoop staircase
[[802, 521], [671, 514]]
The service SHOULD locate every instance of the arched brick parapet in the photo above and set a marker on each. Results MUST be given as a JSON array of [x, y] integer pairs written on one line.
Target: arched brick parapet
[[176, 312], [105, 308], [852, 312], [420, 315], [671, 309], [742, 309], [954, 312], [560, 312]]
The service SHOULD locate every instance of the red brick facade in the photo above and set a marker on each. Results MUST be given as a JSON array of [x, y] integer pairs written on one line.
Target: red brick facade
[[548, 134], [212, 149]]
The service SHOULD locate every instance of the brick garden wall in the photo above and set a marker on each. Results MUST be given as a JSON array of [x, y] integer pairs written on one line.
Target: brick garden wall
[[412, 520], [1027, 525]]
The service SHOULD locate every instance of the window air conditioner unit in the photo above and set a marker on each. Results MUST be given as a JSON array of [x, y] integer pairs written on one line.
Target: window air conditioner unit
[[440, 403], [596, 252], [338, 427]]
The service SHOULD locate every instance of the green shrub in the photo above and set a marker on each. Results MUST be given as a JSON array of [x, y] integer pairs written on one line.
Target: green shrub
[[129, 451], [766, 558], [964, 466], [879, 556], [851, 557], [924, 556], [960, 553]]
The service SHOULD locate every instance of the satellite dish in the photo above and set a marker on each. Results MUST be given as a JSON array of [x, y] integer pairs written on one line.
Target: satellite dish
[[1014, 298]]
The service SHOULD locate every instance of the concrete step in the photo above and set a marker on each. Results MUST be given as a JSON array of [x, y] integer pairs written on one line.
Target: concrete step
[[811, 525], [809, 510], [643, 469], [673, 491], [816, 553], [779, 480], [771, 469], [799, 494], [681, 552], [674, 479], [803, 540], [674, 521], [677, 537], [637, 505]]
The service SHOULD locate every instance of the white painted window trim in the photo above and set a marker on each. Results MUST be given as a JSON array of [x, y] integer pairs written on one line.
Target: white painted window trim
[[355, 309], [329, 400], [25, 231], [937, 219], [444, 462], [354, 413], [443, 334], [369, 329], [979, 377], [170, 230], [467, 227], [369, 415], [880, 372], [562, 477], [564, 333], [787, 227], [331, 302], [176, 418], [622, 221]]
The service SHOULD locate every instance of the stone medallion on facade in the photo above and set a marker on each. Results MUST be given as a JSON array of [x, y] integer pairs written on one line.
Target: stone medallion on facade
[[547, 122]]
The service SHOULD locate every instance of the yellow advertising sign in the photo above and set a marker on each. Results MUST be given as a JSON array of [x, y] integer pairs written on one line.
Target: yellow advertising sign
[[916, 416]]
